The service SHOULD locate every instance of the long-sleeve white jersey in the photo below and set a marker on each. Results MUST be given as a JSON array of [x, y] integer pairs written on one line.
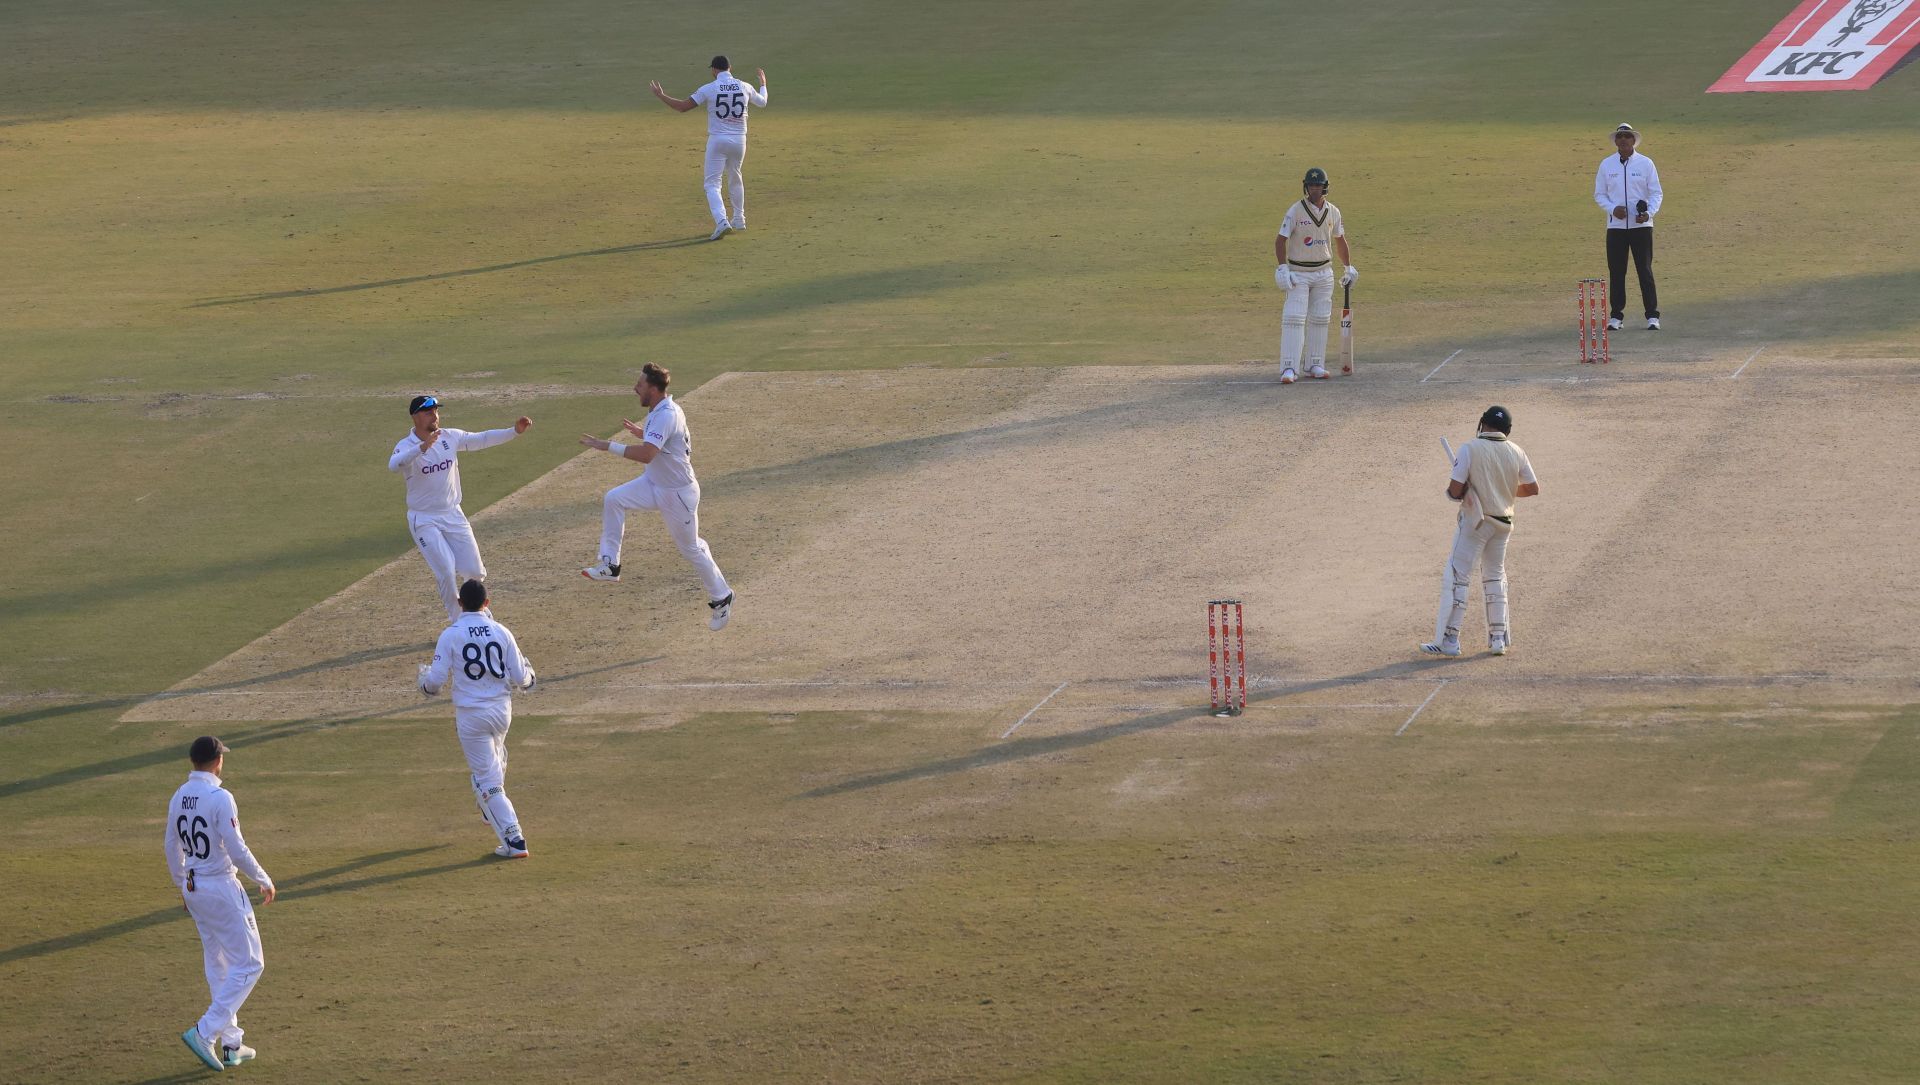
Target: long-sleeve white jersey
[[203, 834], [433, 475], [482, 660], [726, 99], [666, 430], [1625, 184]]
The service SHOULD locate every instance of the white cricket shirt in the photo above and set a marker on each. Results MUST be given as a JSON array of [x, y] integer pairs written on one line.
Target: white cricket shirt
[[1310, 231], [481, 658], [1493, 469], [203, 834], [666, 429], [1625, 184], [727, 99], [433, 475]]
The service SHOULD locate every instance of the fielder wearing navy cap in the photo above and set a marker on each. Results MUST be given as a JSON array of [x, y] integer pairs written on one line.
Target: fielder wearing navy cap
[[205, 750], [422, 403]]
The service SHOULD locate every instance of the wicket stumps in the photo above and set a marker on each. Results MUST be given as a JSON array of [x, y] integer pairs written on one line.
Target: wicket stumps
[[1226, 656], [1591, 304]]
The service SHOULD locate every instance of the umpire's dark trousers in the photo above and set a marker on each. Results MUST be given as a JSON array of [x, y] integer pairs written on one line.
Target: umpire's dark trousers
[[1638, 240]]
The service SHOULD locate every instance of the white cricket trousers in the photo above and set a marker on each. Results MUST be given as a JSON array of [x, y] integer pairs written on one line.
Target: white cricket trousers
[[230, 943], [680, 509], [724, 158], [1486, 544], [446, 540], [1304, 319], [483, 738]]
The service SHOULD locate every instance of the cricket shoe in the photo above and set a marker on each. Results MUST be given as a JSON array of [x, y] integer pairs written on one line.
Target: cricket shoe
[[1613, 324], [1448, 647], [1287, 376], [202, 1048], [602, 570], [1653, 323], [512, 849], [1318, 372], [1497, 643], [738, 227], [722, 610], [234, 1056], [719, 232]]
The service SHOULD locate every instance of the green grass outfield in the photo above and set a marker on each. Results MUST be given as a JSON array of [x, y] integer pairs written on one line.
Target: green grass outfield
[[238, 236]]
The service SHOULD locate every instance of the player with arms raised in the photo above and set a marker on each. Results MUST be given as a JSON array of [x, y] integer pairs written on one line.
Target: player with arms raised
[[726, 99], [429, 458]]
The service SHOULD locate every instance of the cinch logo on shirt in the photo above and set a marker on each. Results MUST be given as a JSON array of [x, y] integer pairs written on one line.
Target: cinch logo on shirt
[[432, 467]]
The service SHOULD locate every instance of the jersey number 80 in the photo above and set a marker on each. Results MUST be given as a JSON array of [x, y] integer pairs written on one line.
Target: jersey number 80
[[479, 662]]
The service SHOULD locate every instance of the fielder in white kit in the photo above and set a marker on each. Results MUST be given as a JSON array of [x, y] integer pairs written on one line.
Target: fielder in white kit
[[1496, 472], [1303, 247], [726, 99], [667, 485], [481, 659], [205, 854], [429, 458]]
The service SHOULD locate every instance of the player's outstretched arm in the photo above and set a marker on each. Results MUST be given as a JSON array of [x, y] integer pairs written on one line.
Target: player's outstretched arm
[[678, 105]]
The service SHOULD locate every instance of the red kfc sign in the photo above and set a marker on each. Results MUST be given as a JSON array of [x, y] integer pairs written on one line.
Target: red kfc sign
[[1828, 45]]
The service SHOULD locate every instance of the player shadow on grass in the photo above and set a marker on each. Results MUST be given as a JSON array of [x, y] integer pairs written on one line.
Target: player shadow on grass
[[313, 884], [644, 246], [1021, 749], [272, 732], [368, 655]]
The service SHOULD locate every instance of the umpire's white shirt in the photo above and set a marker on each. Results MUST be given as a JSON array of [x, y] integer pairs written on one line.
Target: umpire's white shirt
[[433, 475], [726, 99], [666, 430], [1625, 184], [481, 658], [203, 834]]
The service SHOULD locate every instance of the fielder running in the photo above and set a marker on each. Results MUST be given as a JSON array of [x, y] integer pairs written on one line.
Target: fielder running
[[667, 485], [1311, 229], [1496, 471], [726, 99], [204, 851], [429, 457], [481, 659]]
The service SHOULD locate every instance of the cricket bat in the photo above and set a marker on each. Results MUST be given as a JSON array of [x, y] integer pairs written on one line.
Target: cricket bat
[[1470, 504], [1346, 329]]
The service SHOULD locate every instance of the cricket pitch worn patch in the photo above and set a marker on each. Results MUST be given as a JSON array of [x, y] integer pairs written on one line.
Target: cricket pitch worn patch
[[1829, 45]]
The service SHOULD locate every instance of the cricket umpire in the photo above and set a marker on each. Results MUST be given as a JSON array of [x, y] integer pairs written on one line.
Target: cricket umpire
[[1627, 188], [1496, 472]]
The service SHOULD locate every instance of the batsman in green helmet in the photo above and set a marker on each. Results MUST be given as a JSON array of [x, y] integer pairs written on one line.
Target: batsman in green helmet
[[1309, 237]]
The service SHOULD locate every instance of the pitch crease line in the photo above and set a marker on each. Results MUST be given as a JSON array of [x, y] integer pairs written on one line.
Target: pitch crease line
[[1035, 708], [1748, 362], [1442, 365], [1423, 707]]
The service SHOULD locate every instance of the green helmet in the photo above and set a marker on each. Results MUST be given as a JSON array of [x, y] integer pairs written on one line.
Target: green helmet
[[1315, 176]]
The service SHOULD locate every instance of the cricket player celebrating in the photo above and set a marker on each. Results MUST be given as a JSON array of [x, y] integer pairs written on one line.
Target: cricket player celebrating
[[429, 457], [667, 485], [1496, 472], [1311, 230], [205, 854], [726, 99], [481, 659]]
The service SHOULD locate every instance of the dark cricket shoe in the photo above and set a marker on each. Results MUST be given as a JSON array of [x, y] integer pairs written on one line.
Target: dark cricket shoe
[[722, 610]]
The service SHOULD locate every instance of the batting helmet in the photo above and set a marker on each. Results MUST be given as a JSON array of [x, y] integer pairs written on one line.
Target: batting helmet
[[1315, 176]]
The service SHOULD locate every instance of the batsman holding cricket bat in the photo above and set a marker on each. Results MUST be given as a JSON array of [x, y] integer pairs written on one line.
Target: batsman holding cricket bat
[[1489, 474], [1305, 246]]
